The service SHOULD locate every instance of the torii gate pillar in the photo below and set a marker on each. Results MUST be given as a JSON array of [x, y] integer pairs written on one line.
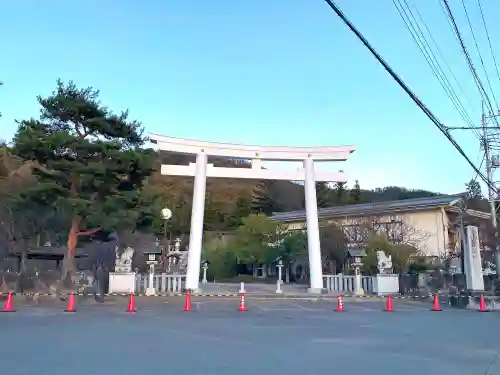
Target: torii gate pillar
[[312, 227], [201, 170], [196, 230]]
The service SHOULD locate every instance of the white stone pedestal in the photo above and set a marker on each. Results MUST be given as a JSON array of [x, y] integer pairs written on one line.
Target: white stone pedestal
[[385, 284], [151, 291], [122, 282], [358, 287]]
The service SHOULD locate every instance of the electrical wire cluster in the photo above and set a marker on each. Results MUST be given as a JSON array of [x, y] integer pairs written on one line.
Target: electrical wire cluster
[[482, 91], [421, 35]]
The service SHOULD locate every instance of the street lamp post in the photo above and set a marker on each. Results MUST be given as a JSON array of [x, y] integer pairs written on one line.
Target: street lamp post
[[166, 214]]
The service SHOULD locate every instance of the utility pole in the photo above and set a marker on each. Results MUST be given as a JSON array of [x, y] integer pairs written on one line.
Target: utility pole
[[489, 173], [491, 164], [490, 134]]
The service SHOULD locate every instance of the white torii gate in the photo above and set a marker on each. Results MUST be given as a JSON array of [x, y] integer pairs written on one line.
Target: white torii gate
[[201, 170]]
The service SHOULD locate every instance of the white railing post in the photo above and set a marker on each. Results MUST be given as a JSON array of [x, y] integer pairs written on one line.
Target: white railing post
[[346, 283], [163, 282]]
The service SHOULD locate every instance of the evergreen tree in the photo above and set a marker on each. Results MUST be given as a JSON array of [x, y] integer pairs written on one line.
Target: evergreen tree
[[340, 193], [214, 218], [89, 162], [323, 194], [242, 209], [355, 193], [475, 199], [333, 246], [265, 199], [474, 189]]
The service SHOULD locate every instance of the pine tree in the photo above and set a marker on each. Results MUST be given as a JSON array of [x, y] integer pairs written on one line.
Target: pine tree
[[474, 189], [355, 193], [89, 162]]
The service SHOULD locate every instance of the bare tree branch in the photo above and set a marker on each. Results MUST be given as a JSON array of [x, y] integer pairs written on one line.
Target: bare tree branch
[[397, 229]]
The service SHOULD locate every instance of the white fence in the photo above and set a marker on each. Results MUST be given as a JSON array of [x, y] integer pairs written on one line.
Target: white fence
[[345, 283], [172, 284], [163, 284]]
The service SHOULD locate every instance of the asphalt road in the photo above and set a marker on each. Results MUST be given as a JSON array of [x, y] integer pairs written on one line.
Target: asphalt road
[[273, 336]]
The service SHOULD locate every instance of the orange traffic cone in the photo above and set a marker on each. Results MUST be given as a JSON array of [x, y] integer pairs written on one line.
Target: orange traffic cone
[[340, 304], [131, 304], [8, 306], [388, 306], [242, 303], [436, 306], [482, 304], [71, 304], [187, 304]]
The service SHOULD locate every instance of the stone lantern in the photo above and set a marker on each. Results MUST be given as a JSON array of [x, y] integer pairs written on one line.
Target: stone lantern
[[152, 260], [357, 255]]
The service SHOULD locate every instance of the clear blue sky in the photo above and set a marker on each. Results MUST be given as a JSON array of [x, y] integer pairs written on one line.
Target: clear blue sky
[[266, 72]]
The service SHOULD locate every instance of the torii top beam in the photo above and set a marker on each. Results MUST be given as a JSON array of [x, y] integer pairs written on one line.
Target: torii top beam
[[230, 150]]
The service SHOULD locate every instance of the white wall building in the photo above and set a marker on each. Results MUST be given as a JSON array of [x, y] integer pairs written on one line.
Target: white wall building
[[429, 224]]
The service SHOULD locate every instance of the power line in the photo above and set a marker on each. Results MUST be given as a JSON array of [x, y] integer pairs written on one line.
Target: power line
[[479, 53], [457, 82], [468, 59], [489, 40], [425, 48], [429, 55], [486, 141], [403, 85]]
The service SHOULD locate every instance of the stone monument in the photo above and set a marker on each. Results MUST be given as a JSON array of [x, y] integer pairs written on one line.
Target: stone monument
[[122, 280], [472, 260]]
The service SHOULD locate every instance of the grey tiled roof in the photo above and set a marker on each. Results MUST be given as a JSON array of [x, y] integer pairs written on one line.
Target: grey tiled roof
[[374, 208]]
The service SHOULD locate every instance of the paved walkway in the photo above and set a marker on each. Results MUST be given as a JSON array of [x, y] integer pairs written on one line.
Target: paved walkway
[[253, 288]]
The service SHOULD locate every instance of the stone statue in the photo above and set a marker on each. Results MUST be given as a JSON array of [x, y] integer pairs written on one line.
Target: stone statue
[[177, 259], [384, 263], [123, 262]]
